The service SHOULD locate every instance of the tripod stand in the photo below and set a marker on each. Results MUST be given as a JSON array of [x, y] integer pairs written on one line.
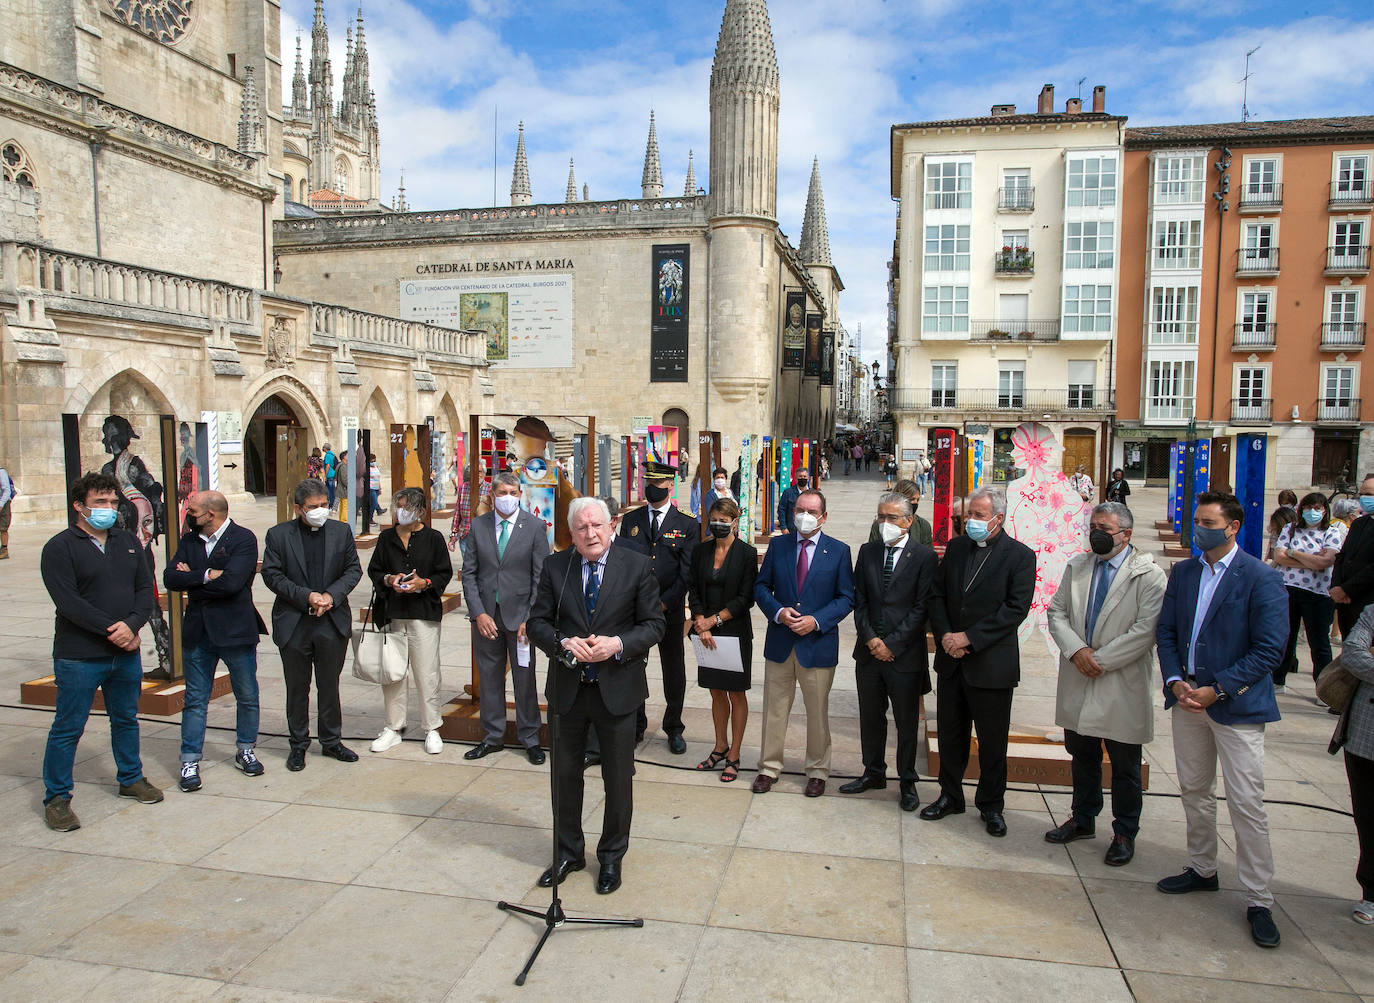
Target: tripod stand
[[554, 916]]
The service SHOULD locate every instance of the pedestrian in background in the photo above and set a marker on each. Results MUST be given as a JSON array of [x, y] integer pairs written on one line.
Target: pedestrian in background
[[8, 491], [1305, 552], [1356, 733]]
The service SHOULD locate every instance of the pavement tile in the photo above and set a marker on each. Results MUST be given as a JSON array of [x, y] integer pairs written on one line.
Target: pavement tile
[[962, 841], [404, 788], [938, 976], [847, 826], [1157, 987], [779, 967], [1345, 944], [476, 860]]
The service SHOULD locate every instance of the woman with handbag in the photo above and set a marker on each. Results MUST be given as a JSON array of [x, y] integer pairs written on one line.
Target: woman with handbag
[[720, 591], [410, 568], [1356, 732]]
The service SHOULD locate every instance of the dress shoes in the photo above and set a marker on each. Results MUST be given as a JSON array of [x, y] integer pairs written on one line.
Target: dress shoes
[[941, 807], [1121, 851], [295, 760], [591, 759], [158, 675], [482, 748], [609, 879], [864, 783], [565, 867], [1068, 832], [677, 745], [910, 799], [340, 752], [763, 783], [1262, 927], [535, 755], [815, 787], [994, 822], [1189, 881]]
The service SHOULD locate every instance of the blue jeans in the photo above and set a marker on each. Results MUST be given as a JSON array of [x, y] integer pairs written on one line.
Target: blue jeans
[[329, 485], [374, 502], [242, 662], [120, 679]]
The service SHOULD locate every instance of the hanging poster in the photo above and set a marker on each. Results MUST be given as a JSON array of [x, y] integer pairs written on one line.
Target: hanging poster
[[794, 331], [942, 502], [813, 344], [827, 358], [746, 488], [668, 325], [528, 320]]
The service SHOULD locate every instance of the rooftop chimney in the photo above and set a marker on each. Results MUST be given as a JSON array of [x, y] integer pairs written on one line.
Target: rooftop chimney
[[1073, 106], [1003, 110], [1046, 103], [1099, 99]]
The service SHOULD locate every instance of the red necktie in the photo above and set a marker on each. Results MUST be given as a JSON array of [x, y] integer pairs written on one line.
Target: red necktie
[[803, 565]]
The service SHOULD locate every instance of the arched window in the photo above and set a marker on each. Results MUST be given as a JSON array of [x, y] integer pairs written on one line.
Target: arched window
[[18, 169], [288, 188], [341, 176], [305, 190]]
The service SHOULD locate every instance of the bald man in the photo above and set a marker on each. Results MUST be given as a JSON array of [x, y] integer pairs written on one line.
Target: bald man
[[215, 563]]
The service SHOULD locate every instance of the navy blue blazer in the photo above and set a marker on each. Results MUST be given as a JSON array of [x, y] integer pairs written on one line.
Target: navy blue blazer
[[1241, 641], [222, 609], [828, 596]]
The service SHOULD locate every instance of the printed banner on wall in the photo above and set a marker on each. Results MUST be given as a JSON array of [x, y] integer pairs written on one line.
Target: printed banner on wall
[[813, 344], [827, 358], [746, 488], [668, 327], [794, 331], [528, 321]]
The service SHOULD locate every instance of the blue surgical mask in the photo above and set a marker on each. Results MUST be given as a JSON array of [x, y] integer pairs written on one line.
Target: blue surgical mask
[[1367, 504], [977, 529], [102, 518], [1208, 538], [1312, 516]]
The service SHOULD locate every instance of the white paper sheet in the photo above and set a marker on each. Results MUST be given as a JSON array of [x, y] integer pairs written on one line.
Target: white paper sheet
[[522, 654], [726, 656]]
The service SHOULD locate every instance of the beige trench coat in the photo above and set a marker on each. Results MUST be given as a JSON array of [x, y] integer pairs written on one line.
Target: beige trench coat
[[1119, 704]]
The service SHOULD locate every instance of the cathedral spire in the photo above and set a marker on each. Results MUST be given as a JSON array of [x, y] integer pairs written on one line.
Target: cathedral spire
[[250, 117], [571, 194], [361, 72], [520, 193], [651, 185], [744, 114], [815, 234], [689, 189], [321, 74], [586, 192], [300, 94], [399, 202]]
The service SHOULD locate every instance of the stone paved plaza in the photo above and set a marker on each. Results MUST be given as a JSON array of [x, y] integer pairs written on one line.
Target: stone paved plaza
[[378, 881]]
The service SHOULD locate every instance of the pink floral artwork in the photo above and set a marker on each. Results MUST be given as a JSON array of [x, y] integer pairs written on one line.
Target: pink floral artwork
[[1047, 515]]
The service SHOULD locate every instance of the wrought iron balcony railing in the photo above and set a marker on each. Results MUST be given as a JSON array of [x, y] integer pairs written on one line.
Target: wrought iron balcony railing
[[1251, 337]]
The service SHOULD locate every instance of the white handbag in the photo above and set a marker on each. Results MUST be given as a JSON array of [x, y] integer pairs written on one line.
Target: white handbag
[[379, 656]]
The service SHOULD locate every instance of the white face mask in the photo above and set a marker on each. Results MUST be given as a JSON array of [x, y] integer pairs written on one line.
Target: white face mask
[[720, 483], [890, 532], [806, 523], [507, 504], [317, 517], [404, 517]]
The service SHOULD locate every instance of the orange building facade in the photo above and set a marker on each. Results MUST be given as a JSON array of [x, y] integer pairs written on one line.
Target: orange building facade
[[1244, 297]]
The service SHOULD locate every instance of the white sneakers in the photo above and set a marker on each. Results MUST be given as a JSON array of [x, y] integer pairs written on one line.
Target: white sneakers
[[433, 743], [388, 739]]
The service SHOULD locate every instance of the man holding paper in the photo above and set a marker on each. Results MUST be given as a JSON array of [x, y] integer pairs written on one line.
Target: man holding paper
[[720, 591]]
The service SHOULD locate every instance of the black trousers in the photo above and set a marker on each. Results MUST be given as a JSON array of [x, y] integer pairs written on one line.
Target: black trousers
[[961, 708], [316, 648], [1313, 611], [1360, 772], [879, 685], [616, 734], [1346, 615], [1087, 782], [673, 661]]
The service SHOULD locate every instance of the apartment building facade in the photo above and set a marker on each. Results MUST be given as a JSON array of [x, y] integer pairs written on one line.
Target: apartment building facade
[[1244, 296], [1004, 278]]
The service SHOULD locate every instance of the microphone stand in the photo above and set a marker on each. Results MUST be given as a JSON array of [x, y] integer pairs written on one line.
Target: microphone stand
[[554, 916]]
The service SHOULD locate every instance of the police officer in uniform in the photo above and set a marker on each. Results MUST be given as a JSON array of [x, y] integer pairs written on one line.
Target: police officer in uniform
[[666, 536]]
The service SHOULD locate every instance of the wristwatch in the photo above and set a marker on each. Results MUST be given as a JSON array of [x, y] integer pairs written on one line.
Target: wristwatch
[[718, 620]]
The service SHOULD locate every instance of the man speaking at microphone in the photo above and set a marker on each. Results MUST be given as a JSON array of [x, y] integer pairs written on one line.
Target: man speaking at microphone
[[596, 615]]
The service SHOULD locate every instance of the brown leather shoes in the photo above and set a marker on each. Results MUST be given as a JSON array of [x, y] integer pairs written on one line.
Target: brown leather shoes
[[763, 783], [815, 787]]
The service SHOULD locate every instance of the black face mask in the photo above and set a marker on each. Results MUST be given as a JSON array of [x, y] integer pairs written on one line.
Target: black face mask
[[656, 495], [1101, 541], [191, 525], [720, 530], [802, 483]]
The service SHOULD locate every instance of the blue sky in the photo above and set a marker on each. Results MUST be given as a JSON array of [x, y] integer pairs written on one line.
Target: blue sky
[[584, 76]]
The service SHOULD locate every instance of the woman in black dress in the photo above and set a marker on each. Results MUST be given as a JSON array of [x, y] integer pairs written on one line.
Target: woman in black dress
[[720, 591]]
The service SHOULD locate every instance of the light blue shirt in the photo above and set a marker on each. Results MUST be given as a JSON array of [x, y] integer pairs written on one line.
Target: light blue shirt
[[1206, 589]]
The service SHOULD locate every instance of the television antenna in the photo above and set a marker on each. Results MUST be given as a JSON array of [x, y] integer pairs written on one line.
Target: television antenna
[[1245, 94]]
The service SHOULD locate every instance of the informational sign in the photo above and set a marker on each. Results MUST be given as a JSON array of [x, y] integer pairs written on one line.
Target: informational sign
[[813, 344], [640, 424], [910, 455], [976, 480], [794, 331], [1177, 452], [230, 425], [671, 279], [528, 320], [1251, 457], [942, 504], [210, 448], [747, 484], [827, 358], [1201, 452]]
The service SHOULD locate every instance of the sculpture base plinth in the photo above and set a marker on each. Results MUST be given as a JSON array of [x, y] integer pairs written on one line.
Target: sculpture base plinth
[[159, 698], [1031, 759]]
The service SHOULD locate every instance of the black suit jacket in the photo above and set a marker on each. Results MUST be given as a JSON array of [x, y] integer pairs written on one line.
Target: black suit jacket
[[903, 604], [1354, 567], [989, 609], [738, 572], [223, 608], [283, 571], [669, 555], [627, 607]]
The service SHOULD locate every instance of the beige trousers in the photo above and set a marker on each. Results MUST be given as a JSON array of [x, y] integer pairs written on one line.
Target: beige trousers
[[422, 638], [780, 682], [1198, 743]]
